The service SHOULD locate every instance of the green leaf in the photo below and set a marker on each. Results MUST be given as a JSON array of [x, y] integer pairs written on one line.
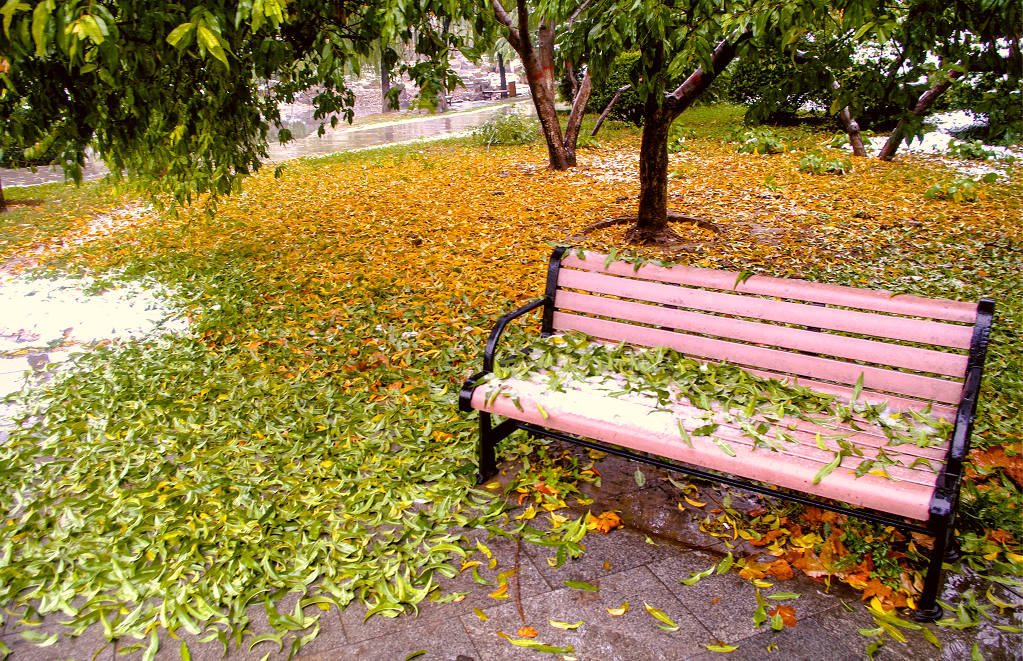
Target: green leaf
[[695, 578], [759, 616], [40, 638], [581, 585], [827, 469], [975, 654], [661, 616], [783, 596], [179, 33], [873, 648], [415, 655], [639, 478], [722, 647], [725, 564], [40, 18], [184, 653]]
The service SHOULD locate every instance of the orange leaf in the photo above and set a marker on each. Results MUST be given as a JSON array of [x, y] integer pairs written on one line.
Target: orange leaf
[[604, 523], [528, 632], [788, 615], [781, 570]]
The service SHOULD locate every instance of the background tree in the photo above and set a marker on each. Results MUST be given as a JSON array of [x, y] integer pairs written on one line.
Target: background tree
[[536, 52], [885, 67], [690, 39], [182, 95]]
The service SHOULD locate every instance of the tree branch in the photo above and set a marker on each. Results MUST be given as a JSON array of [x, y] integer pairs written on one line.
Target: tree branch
[[505, 19], [676, 102], [600, 120], [575, 118], [527, 43], [922, 105]]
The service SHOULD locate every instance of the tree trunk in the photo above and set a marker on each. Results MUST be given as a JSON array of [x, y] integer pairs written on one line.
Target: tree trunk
[[575, 117], [852, 127], [385, 85], [653, 174], [500, 68], [926, 100], [3, 200], [652, 221], [538, 62], [614, 99]]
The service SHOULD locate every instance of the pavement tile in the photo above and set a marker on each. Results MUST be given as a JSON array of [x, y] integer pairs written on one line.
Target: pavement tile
[[528, 582], [809, 640], [621, 549], [440, 639], [628, 637], [725, 602]]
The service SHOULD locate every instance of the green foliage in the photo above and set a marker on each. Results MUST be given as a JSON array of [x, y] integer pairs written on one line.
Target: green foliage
[[177, 96], [973, 150], [677, 137], [759, 140], [624, 71], [996, 95], [512, 129], [774, 87], [816, 162], [964, 189]]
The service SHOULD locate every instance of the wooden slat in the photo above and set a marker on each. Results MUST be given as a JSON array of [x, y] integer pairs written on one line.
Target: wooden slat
[[871, 351], [613, 421], [850, 321], [748, 355], [865, 299]]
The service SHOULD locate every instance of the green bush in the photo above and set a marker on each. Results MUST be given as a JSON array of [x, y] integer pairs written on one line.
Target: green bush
[[511, 129], [971, 150], [677, 137], [760, 140], [966, 189], [629, 107], [816, 162]]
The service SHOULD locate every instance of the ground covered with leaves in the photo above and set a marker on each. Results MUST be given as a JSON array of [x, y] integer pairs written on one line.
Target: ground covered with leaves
[[304, 436]]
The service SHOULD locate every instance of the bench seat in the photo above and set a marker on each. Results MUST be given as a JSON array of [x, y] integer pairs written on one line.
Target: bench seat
[[639, 422]]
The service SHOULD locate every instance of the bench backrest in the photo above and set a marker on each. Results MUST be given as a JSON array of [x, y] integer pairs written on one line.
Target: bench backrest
[[908, 350]]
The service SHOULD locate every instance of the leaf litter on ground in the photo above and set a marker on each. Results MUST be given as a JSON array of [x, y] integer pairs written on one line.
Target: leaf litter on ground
[[301, 440]]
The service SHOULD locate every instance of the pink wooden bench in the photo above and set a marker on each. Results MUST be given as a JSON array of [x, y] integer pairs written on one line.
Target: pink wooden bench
[[912, 353]]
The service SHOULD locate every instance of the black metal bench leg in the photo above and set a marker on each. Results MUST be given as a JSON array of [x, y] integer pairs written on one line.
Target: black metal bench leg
[[487, 465], [927, 610], [490, 436]]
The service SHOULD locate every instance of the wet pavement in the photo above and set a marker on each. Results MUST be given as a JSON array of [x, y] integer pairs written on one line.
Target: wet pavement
[[641, 563], [404, 128]]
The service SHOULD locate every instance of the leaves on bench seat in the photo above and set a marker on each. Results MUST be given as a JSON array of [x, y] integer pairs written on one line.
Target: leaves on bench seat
[[718, 395]]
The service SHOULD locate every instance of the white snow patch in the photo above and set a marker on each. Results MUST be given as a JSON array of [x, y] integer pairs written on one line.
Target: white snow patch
[[936, 143], [49, 312]]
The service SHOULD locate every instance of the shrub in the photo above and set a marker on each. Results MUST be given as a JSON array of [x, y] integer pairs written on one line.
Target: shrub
[[816, 162], [760, 140], [971, 150], [677, 137], [625, 71], [966, 189], [511, 129]]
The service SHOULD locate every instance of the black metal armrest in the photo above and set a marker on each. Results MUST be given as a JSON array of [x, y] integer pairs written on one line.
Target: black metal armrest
[[495, 335], [465, 396]]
